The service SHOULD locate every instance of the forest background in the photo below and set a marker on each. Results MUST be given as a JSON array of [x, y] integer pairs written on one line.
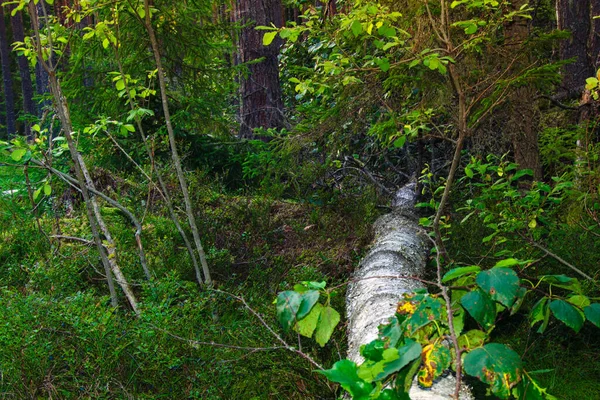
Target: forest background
[[168, 167]]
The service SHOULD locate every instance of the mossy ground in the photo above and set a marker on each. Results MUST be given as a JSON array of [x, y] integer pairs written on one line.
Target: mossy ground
[[60, 339]]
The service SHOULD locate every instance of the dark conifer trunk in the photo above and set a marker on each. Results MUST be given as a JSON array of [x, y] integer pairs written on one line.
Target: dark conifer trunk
[[576, 16], [41, 76], [261, 103], [9, 98], [29, 108]]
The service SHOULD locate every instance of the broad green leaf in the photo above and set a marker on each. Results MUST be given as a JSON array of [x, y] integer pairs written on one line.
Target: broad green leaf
[[306, 326], [592, 313], [481, 307], [309, 299], [579, 300], [344, 372], [288, 303], [427, 310], [328, 320], [17, 154], [356, 28], [568, 314], [502, 284], [391, 332], [406, 354], [36, 193], [495, 364], [269, 37], [458, 272], [436, 359], [472, 339], [47, 189]]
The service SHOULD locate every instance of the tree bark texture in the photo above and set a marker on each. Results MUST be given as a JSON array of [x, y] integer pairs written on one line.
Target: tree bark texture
[[576, 16], [9, 97], [260, 92], [522, 125], [400, 248], [18, 32]]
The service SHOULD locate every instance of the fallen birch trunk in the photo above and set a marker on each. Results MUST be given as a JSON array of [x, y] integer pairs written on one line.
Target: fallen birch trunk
[[400, 248]]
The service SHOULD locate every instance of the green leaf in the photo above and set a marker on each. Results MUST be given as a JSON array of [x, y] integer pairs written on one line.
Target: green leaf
[[306, 326], [309, 299], [391, 332], [288, 303], [269, 37], [579, 300], [568, 314], [469, 172], [592, 313], [344, 373], [502, 284], [36, 193], [509, 262], [538, 311], [356, 28], [374, 350], [495, 364], [400, 142], [428, 310], [591, 83], [47, 189], [328, 320], [120, 84], [472, 339], [481, 307], [404, 379], [458, 272], [17, 154], [406, 354]]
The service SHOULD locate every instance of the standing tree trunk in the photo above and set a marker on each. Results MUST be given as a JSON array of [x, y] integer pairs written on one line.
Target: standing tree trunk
[[9, 97], [400, 249], [16, 23], [260, 92], [522, 126], [576, 16], [41, 76]]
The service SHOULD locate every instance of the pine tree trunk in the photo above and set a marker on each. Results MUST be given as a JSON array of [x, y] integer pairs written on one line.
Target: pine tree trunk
[[9, 97], [16, 23], [575, 16], [261, 103]]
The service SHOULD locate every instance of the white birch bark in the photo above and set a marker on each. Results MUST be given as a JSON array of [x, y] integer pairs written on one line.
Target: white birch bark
[[400, 248]]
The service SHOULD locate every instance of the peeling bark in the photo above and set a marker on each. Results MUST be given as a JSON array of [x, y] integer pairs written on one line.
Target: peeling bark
[[400, 248]]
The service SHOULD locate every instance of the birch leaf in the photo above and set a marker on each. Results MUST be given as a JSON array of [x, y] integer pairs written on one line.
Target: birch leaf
[[328, 320]]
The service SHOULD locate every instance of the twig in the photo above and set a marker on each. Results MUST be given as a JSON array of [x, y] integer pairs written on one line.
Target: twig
[[271, 331], [558, 258]]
